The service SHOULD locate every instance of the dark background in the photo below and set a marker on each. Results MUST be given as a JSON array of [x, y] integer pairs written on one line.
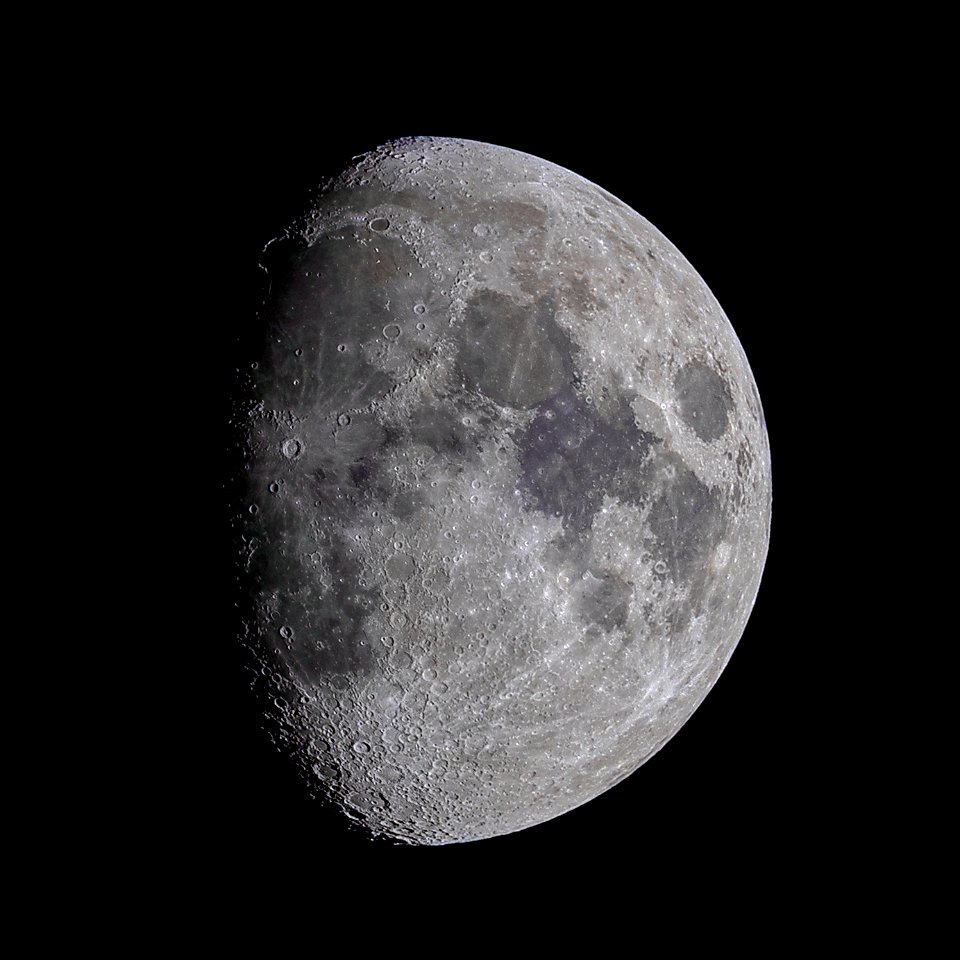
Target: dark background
[[751, 190]]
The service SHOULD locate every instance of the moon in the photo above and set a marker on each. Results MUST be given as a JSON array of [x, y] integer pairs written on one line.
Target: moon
[[506, 498]]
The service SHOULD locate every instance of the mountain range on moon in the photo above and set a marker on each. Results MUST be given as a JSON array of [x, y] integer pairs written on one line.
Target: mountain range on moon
[[507, 502]]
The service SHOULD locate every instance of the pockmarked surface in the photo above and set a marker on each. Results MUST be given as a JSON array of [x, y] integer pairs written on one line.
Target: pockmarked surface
[[506, 497]]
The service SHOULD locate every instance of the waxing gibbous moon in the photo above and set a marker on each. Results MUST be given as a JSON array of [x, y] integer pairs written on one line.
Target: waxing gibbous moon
[[506, 502]]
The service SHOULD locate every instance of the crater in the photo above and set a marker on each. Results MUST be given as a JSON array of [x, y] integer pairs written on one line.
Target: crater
[[704, 400]]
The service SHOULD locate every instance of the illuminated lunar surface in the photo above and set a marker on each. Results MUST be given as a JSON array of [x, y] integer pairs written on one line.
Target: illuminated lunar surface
[[507, 492]]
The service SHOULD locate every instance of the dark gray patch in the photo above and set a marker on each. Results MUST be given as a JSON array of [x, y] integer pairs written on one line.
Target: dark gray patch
[[406, 503], [583, 299], [349, 475], [606, 601], [400, 566], [527, 254], [570, 458], [442, 429], [688, 521], [316, 631], [512, 352], [325, 300], [515, 215], [363, 475], [704, 400], [678, 616], [330, 639], [716, 597]]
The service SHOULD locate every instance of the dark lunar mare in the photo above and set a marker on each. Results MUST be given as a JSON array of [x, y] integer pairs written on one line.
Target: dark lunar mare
[[570, 458]]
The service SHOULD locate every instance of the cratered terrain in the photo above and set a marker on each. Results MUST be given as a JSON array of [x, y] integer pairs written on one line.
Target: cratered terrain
[[506, 502]]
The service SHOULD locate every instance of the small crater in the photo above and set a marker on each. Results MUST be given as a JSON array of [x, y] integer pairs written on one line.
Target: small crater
[[291, 449], [379, 225], [391, 331]]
